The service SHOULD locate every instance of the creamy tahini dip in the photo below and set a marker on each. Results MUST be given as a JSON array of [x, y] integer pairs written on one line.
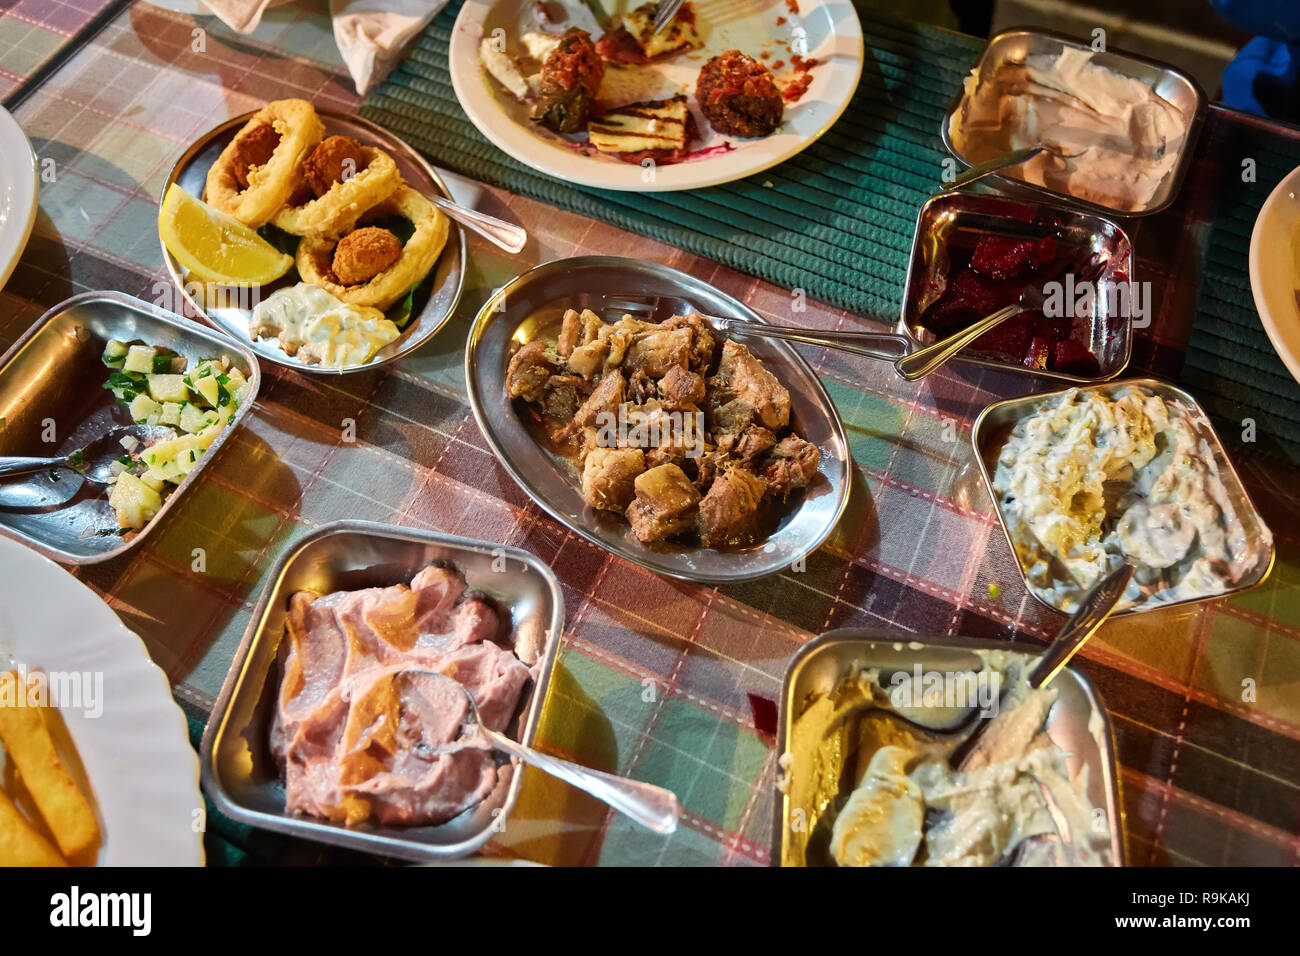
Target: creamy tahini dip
[[1088, 481], [1128, 138]]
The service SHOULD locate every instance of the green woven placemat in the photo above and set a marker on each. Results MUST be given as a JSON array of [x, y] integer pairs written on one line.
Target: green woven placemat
[[836, 220], [1230, 364]]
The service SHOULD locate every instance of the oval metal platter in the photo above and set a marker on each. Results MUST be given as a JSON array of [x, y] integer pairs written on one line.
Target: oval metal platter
[[534, 303], [191, 171]]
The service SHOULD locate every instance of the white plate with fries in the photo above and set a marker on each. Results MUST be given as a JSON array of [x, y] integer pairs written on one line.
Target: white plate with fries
[[124, 789]]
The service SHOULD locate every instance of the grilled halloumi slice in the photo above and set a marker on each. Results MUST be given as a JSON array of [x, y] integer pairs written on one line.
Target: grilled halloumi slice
[[637, 127], [678, 35]]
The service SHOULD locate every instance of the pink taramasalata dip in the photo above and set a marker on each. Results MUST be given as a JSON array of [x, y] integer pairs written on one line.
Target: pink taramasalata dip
[[352, 724]]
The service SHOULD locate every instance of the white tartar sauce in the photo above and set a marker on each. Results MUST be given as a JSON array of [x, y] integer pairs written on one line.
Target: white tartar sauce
[[319, 329]]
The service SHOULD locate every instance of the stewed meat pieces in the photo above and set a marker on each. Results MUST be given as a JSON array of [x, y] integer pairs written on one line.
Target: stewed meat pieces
[[686, 435], [666, 504], [792, 464], [729, 512], [743, 391], [609, 476]]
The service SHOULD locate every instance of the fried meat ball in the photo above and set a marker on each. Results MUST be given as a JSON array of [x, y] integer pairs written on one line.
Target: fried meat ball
[[364, 253], [739, 96], [336, 158]]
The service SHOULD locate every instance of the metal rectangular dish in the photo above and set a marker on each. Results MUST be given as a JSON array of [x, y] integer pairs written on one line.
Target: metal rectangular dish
[[1173, 85], [1078, 722], [994, 425], [1107, 333], [239, 772], [53, 378]]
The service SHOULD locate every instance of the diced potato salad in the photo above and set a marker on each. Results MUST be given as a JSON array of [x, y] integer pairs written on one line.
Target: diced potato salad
[[160, 389]]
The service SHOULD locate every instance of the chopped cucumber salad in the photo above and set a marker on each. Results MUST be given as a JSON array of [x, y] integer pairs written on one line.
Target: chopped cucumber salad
[[159, 389]]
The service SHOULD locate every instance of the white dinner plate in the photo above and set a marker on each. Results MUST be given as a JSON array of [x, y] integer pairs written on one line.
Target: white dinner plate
[[1275, 269], [833, 38], [136, 754], [18, 191]]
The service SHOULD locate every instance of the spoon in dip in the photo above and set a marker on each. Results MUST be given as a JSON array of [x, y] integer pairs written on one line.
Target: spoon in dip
[[652, 807], [95, 461], [999, 163], [1092, 613]]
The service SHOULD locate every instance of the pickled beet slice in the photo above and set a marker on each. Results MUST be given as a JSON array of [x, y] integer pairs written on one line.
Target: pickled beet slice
[[1043, 252], [999, 257], [1073, 358], [1011, 338]]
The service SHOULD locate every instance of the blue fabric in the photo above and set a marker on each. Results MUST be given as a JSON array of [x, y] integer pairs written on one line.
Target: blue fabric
[[1264, 77]]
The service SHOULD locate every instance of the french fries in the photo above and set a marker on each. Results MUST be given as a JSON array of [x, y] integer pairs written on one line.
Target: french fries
[[63, 807], [20, 844]]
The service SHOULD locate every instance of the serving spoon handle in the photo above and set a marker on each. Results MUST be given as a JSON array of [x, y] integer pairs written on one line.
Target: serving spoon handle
[[651, 806], [504, 234]]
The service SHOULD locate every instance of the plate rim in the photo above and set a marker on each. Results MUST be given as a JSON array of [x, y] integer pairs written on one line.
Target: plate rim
[[1288, 352], [14, 242], [620, 179], [385, 139], [836, 421], [135, 653]]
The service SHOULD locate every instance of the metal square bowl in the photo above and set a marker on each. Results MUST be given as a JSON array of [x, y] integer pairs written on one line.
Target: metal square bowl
[[1173, 85], [944, 219], [994, 425], [1078, 722], [239, 772], [55, 373]]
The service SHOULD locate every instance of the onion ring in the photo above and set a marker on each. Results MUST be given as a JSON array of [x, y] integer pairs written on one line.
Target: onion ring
[[337, 212], [271, 185], [420, 252]]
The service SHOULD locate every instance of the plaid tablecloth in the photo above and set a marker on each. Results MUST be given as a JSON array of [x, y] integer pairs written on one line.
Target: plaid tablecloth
[[659, 680]]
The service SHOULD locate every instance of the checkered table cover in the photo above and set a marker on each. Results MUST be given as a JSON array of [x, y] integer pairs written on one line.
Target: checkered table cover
[[659, 680]]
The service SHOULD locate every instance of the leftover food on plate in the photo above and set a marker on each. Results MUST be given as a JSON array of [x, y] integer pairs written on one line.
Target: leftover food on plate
[[993, 273], [45, 818], [635, 41], [615, 88], [739, 96], [686, 436], [869, 771], [283, 196], [159, 388], [1121, 137], [359, 733], [1093, 478]]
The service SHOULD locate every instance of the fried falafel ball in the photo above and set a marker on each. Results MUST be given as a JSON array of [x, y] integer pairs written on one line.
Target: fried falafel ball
[[739, 96], [364, 253], [335, 160]]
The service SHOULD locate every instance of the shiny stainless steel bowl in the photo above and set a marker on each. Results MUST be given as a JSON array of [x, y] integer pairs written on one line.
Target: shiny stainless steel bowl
[[994, 425], [1078, 722], [238, 771], [947, 216], [54, 377], [1175, 86], [533, 304], [231, 318]]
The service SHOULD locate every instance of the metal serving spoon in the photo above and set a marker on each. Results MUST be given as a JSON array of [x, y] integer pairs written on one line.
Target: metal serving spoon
[[1091, 614], [94, 462], [1006, 160], [504, 234], [651, 806]]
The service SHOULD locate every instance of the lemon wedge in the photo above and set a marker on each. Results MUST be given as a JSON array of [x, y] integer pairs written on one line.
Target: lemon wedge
[[213, 247]]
